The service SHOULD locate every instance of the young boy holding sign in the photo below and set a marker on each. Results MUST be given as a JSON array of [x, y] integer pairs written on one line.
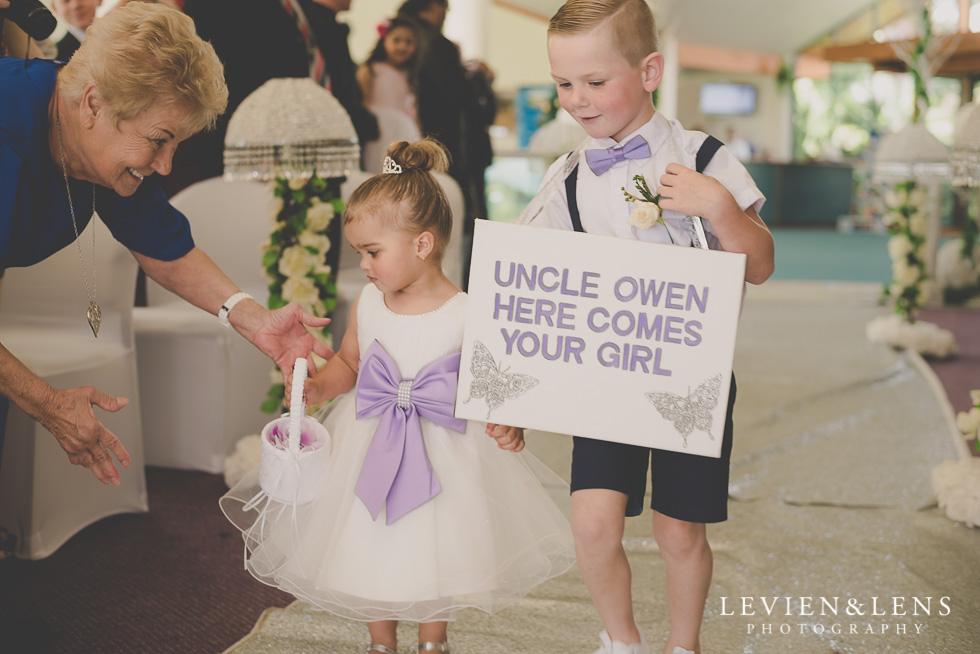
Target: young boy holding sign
[[604, 59]]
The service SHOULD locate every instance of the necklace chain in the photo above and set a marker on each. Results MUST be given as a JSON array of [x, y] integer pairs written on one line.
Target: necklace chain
[[94, 314]]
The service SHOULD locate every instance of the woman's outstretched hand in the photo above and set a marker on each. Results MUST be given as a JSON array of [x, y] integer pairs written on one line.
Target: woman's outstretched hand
[[70, 418], [283, 337]]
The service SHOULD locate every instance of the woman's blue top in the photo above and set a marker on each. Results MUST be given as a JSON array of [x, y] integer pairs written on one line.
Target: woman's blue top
[[35, 221]]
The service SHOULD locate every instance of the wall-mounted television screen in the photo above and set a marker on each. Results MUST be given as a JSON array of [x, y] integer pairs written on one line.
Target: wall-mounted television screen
[[724, 98]]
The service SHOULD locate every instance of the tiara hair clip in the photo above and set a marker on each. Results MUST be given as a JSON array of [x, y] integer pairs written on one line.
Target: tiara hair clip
[[390, 167]]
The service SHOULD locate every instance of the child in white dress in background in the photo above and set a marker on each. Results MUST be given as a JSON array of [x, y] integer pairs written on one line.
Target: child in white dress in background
[[418, 513], [389, 77]]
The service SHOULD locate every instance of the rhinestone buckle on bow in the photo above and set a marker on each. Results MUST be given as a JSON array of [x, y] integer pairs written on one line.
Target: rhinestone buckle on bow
[[404, 399]]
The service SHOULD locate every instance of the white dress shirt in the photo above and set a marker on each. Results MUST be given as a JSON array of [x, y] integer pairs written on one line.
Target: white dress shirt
[[602, 205]]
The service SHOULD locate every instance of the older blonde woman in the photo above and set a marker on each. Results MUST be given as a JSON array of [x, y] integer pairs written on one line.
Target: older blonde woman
[[95, 135]]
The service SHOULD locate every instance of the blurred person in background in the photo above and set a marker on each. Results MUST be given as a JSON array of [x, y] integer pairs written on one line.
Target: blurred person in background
[[390, 76], [338, 73], [456, 106], [78, 14]]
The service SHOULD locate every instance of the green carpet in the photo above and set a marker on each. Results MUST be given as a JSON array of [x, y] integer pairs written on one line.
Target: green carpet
[[826, 254]]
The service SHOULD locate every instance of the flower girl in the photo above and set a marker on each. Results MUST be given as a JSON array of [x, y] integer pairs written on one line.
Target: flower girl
[[389, 77], [418, 513]]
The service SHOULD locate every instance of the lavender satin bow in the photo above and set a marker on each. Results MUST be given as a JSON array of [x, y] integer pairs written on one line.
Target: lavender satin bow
[[396, 469], [602, 160]]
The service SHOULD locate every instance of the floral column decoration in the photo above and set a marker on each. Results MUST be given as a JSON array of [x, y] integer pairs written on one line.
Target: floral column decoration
[[912, 166], [907, 207], [294, 135], [300, 258]]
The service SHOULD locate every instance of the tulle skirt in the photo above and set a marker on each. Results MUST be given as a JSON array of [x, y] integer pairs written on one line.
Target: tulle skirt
[[498, 528]]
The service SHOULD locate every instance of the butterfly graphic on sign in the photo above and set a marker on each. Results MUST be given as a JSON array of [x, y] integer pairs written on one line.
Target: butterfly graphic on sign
[[493, 384], [693, 411]]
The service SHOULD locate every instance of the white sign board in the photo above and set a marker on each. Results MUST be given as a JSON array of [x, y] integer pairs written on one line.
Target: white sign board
[[600, 337]]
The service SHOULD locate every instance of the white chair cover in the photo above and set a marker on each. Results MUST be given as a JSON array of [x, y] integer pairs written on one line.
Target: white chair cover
[[393, 126], [44, 500], [202, 384]]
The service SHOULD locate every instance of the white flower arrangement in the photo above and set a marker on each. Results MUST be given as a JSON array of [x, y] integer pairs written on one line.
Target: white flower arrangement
[[319, 215], [244, 458], [299, 258], [926, 338], [956, 484], [302, 290], [296, 261]]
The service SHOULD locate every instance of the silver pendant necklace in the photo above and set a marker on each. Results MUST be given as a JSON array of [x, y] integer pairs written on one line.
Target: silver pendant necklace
[[94, 313]]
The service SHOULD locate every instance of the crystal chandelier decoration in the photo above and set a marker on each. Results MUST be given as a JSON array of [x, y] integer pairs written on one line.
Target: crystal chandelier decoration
[[290, 127]]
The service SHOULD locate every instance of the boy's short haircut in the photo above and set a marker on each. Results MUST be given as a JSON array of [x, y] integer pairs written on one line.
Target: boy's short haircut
[[634, 28]]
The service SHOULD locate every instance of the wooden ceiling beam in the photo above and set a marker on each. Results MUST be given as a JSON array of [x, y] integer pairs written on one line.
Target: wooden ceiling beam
[[726, 60], [964, 59]]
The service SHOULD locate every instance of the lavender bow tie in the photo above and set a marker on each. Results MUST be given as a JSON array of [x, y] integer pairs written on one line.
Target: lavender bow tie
[[396, 469], [602, 160]]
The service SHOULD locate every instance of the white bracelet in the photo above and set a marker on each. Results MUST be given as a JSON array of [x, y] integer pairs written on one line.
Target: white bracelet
[[229, 305]]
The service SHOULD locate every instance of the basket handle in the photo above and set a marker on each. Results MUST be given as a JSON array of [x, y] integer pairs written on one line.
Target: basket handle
[[296, 408]]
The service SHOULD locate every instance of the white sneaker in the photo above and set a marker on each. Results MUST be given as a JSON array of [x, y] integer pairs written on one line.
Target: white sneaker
[[610, 646], [680, 650]]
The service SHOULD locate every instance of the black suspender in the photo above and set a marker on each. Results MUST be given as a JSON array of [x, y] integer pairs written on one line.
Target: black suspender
[[708, 149], [571, 183], [705, 153]]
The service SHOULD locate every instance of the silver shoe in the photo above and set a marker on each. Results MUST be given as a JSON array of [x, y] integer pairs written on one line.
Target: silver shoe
[[380, 648], [435, 647]]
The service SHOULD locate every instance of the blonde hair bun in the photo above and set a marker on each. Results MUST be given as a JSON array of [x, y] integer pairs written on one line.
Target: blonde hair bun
[[427, 155]]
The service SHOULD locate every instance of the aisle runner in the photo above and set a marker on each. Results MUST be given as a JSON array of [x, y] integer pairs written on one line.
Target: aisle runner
[[835, 440]]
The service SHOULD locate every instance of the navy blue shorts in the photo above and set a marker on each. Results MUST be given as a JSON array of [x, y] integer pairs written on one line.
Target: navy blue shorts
[[684, 486]]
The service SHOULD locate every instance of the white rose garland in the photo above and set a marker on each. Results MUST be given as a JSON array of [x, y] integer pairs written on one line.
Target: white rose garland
[[299, 258], [907, 222]]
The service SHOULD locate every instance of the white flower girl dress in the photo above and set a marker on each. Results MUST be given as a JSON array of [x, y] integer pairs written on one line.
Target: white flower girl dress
[[494, 530]]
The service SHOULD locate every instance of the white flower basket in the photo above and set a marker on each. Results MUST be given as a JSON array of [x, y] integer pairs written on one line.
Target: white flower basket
[[294, 450]]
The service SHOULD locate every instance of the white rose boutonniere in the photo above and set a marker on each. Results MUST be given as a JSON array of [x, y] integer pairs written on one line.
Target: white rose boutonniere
[[647, 212], [644, 215]]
